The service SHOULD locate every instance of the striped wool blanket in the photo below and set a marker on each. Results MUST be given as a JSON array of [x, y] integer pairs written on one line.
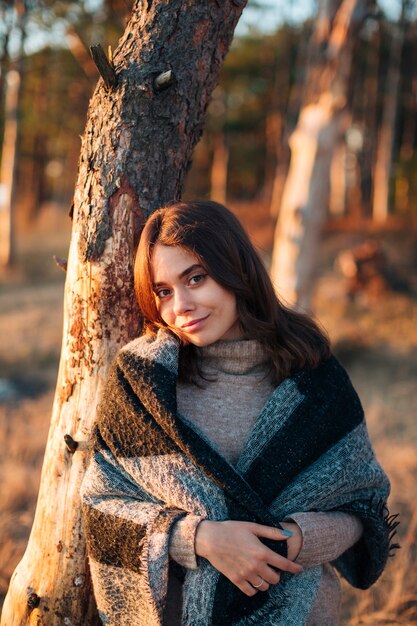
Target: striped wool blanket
[[308, 451]]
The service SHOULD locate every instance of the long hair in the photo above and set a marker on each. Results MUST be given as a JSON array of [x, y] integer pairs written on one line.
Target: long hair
[[212, 233]]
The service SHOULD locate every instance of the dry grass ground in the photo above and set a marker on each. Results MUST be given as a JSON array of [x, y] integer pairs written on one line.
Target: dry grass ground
[[376, 340], [377, 344]]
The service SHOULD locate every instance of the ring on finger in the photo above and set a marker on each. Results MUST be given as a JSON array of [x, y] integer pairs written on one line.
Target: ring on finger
[[260, 584]]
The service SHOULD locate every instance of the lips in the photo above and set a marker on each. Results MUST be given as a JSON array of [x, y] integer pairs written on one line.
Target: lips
[[194, 324]]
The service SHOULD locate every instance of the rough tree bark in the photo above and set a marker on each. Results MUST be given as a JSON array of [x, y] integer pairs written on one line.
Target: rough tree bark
[[305, 196], [135, 152]]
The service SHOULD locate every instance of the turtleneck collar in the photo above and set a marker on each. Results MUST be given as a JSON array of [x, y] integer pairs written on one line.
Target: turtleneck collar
[[241, 356]]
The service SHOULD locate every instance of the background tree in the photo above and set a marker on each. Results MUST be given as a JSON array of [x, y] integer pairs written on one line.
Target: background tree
[[53, 104], [305, 196], [136, 149], [48, 109], [385, 147], [15, 17], [261, 84]]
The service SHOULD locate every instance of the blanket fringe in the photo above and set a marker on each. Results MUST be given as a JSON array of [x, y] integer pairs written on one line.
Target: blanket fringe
[[392, 522]]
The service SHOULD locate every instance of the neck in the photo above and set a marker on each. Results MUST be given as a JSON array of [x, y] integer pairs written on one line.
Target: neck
[[238, 356]]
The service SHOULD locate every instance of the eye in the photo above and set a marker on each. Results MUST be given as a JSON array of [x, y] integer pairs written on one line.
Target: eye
[[197, 278], [162, 293]]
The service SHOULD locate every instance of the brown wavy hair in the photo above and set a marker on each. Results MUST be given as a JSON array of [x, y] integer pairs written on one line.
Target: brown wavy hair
[[212, 233]]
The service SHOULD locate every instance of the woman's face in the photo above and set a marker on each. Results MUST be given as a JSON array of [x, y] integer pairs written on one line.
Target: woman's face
[[189, 301]]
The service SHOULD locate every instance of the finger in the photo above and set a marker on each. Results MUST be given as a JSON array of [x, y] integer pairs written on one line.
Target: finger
[[270, 532], [276, 560], [247, 588], [271, 576], [263, 584]]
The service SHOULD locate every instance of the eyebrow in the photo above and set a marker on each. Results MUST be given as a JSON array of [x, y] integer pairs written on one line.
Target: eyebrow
[[184, 273]]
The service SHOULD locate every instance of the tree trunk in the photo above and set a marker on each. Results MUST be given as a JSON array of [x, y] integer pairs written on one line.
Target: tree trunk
[[9, 156], [274, 130], [8, 168], [410, 113], [220, 149], [273, 142], [337, 195], [135, 152], [304, 202], [218, 178], [370, 123], [38, 183], [6, 13], [384, 155], [305, 196]]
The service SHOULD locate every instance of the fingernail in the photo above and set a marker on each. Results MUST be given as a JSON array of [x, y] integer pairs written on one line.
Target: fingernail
[[287, 533]]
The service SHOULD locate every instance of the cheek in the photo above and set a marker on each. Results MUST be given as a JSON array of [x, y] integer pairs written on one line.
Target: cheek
[[164, 312], [233, 310], [159, 308], [230, 298], [230, 304]]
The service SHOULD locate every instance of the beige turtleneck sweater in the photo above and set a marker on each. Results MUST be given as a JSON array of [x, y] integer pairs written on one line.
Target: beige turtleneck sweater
[[225, 410]]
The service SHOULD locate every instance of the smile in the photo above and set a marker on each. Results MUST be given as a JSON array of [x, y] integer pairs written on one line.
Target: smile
[[194, 324]]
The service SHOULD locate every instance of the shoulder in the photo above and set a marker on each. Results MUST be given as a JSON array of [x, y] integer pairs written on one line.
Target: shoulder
[[148, 344], [126, 359], [138, 345], [328, 369], [160, 349], [329, 381]]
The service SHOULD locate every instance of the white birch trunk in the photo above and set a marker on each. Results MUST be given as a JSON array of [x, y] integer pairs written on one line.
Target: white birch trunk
[[306, 193], [304, 202]]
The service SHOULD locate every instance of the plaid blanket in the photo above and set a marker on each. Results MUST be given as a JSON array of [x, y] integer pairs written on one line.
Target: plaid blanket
[[308, 451]]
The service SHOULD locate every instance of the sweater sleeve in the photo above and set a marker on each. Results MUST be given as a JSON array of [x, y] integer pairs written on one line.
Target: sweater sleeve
[[182, 539], [326, 535]]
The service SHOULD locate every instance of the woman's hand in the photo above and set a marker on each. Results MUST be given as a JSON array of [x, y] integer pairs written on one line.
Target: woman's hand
[[234, 549]]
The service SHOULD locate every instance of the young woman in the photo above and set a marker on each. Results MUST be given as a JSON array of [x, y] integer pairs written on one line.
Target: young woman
[[231, 469]]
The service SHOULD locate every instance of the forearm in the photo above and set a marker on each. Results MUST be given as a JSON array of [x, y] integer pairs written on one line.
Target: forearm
[[326, 535]]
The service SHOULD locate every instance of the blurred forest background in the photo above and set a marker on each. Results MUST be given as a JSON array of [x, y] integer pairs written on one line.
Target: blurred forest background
[[366, 265]]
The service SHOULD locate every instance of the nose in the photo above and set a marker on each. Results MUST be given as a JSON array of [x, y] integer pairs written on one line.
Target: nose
[[182, 302]]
